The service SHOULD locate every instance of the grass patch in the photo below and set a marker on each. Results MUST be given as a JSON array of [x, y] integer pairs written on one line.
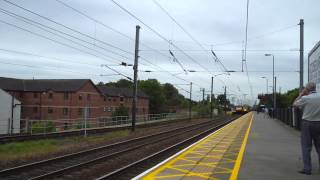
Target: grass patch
[[28, 149]]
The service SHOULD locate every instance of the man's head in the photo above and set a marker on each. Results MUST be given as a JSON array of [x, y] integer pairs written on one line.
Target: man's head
[[311, 86]]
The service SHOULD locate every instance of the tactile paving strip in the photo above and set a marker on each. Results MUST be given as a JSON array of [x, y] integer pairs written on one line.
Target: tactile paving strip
[[216, 157]]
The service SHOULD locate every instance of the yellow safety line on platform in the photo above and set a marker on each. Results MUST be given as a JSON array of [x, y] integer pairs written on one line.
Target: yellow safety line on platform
[[228, 141], [161, 168], [236, 168]]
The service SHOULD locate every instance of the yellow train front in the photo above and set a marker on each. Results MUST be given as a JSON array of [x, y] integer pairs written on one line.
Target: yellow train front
[[241, 110]]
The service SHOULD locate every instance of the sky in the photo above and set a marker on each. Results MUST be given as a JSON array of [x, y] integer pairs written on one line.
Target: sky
[[55, 42]]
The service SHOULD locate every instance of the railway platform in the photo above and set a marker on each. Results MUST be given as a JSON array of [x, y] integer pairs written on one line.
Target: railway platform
[[251, 147]]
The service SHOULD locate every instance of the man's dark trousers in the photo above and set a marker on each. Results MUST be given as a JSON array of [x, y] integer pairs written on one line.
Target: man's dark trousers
[[310, 131]]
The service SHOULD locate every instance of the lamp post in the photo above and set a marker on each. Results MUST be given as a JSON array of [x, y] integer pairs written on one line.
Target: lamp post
[[273, 90], [266, 82], [211, 95]]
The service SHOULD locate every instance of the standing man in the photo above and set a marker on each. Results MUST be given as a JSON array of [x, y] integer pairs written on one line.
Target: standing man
[[309, 102]]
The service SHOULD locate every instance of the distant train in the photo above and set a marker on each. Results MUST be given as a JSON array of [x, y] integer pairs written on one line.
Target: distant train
[[241, 110]]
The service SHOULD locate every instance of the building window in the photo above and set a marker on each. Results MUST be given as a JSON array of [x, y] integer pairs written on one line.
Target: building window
[[109, 98], [104, 98], [66, 96], [50, 95], [35, 109], [80, 97], [80, 111], [35, 95], [114, 99], [21, 94], [121, 99], [65, 111], [50, 110], [109, 109], [22, 109], [88, 97]]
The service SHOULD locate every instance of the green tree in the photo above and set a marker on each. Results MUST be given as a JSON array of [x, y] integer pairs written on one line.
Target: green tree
[[122, 83], [120, 111], [154, 90]]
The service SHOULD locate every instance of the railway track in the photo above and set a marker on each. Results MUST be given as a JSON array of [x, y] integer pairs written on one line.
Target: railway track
[[135, 168], [78, 162]]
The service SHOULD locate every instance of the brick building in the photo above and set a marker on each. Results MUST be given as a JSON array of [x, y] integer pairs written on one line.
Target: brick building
[[65, 99], [124, 97]]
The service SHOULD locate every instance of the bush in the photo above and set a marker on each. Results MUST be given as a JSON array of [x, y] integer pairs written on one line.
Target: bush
[[121, 111], [43, 127]]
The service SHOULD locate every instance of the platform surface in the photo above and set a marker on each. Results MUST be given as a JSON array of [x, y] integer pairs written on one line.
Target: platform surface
[[216, 156], [273, 152]]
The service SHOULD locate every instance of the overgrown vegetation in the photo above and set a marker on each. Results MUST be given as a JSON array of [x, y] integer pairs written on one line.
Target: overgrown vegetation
[[43, 127], [120, 111], [29, 149], [283, 100]]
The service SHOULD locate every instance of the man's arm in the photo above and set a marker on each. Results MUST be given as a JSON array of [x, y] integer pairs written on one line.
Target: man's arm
[[299, 101]]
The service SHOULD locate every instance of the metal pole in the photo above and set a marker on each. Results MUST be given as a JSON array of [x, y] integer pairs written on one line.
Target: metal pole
[[301, 53], [267, 85], [211, 98], [203, 95], [225, 100], [273, 88], [190, 103], [85, 121], [40, 110], [12, 108], [135, 77], [275, 93]]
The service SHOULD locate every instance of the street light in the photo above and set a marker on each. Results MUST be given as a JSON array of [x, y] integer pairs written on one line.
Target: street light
[[266, 81], [273, 90]]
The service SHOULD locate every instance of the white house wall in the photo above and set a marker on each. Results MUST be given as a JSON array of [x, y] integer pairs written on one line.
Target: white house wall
[[5, 113]]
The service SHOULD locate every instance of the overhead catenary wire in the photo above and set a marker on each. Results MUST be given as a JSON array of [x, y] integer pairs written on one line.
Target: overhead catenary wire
[[65, 61], [245, 50], [107, 27], [67, 27], [42, 27], [157, 33], [215, 57], [189, 34], [51, 68], [61, 43], [118, 32]]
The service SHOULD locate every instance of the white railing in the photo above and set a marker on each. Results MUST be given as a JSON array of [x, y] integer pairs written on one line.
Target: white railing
[[63, 125]]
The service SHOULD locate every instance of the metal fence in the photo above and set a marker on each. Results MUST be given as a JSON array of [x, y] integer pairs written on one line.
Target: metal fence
[[62, 125], [289, 116]]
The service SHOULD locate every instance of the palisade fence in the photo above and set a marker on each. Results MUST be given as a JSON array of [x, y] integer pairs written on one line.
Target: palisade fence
[[62, 125], [290, 116]]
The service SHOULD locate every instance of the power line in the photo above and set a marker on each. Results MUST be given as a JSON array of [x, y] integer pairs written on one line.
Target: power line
[[46, 18], [118, 32], [245, 51], [185, 31], [67, 27], [48, 68], [157, 33], [106, 26], [53, 40], [53, 58], [40, 26], [209, 50]]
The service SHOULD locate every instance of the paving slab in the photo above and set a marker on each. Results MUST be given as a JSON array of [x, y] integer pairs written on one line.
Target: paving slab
[[273, 152]]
